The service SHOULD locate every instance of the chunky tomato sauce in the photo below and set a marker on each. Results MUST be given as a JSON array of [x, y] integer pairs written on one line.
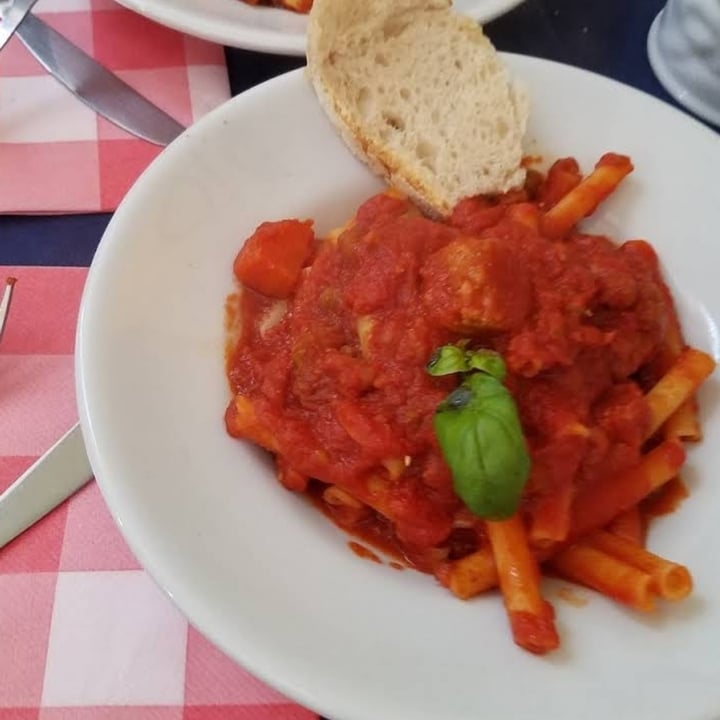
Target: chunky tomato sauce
[[333, 380]]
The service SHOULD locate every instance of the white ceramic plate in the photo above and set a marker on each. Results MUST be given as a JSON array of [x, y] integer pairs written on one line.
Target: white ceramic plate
[[264, 575], [266, 29]]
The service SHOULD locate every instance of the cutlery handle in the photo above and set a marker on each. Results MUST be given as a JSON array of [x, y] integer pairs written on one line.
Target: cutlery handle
[[60, 472]]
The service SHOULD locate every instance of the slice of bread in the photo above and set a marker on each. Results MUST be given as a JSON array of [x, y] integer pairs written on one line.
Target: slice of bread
[[419, 94]]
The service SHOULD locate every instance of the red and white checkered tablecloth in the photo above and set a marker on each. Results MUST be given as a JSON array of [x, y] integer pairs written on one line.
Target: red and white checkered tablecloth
[[56, 154], [85, 634]]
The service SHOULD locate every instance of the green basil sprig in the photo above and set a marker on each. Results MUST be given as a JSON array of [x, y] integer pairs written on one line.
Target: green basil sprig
[[479, 432]]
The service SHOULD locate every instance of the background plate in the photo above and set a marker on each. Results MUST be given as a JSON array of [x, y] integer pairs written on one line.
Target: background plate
[[266, 29]]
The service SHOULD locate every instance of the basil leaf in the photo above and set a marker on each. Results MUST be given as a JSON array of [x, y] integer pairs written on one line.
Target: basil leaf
[[481, 438], [450, 359], [488, 361]]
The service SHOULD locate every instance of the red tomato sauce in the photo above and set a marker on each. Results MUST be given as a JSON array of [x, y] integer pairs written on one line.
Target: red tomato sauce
[[335, 375]]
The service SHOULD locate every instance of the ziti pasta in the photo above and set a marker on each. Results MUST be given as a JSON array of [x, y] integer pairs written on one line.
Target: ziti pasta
[[494, 396]]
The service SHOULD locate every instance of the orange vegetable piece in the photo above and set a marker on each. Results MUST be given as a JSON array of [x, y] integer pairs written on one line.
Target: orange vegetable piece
[[272, 258]]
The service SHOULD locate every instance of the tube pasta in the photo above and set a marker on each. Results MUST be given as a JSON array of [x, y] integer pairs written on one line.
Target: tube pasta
[[629, 525], [241, 421], [583, 199], [348, 510], [665, 499], [585, 564], [678, 384], [563, 176], [395, 466], [600, 503], [473, 574], [334, 495], [364, 326], [684, 423], [669, 580], [531, 617], [551, 517]]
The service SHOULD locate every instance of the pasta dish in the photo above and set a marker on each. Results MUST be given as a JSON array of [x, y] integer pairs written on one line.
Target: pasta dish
[[494, 396]]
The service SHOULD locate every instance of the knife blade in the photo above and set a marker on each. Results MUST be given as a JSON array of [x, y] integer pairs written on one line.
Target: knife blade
[[92, 83], [12, 13], [58, 474]]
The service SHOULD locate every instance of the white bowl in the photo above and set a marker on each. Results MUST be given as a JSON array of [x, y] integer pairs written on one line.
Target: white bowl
[[261, 572]]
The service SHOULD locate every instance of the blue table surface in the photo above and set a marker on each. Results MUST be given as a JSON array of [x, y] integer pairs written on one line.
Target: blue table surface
[[607, 37]]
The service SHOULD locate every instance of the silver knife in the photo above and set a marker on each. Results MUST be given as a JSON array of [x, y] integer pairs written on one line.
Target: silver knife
[[59, 473], [12, 13], [89, 81]]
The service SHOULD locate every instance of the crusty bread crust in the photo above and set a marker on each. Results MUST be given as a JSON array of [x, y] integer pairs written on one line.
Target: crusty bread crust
[[420, 95]]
